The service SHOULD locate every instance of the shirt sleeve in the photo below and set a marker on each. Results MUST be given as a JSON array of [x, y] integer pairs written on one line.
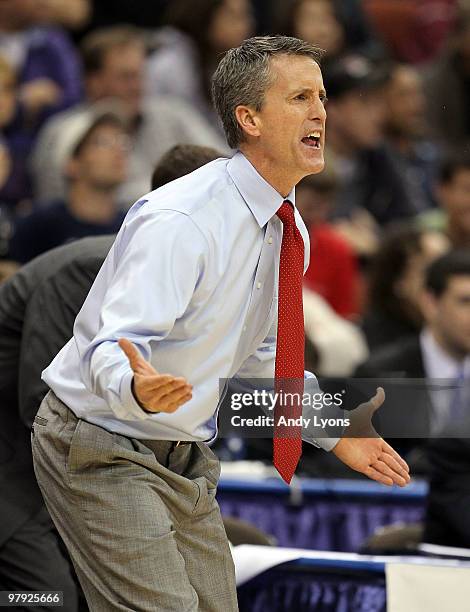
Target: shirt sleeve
[[160, 262]]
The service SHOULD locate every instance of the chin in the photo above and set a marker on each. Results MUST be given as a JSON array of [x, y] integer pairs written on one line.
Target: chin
[[315, 167]]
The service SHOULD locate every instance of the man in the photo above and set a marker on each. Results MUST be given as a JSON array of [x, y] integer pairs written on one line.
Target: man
[[367, 177], [448, 115], [440, 354], [447, 509], [37, 309], [121, 457], [94, 149], [408, 141], [113, 63], [453, 195]]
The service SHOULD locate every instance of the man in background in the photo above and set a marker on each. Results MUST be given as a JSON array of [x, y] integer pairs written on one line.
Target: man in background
[[367, 177], [413, 153], [440, 354], [113, 63], [95, 152], [453, 196]]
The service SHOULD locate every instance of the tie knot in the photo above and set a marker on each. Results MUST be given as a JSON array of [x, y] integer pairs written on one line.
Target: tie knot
[[286, 213]]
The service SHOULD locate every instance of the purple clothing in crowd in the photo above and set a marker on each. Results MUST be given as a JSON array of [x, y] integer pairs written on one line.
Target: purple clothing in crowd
[[50, 54]]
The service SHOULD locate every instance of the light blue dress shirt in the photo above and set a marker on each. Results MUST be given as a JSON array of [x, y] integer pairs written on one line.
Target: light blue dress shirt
[[191, 280]]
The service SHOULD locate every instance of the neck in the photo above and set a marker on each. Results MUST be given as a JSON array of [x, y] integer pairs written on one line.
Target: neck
[[91, 204], [454, 352], [276, 176]]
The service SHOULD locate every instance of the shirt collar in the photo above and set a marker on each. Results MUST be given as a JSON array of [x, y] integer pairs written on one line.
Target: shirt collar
[[262, 199]]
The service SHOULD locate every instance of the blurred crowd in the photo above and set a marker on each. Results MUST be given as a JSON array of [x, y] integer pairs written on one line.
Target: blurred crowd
[[94, 93]]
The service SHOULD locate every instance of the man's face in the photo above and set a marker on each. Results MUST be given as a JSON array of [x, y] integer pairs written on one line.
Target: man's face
[[358, 118], [455, 199], [293, 109], [121, 77], [405, 103], [102, 159], [449, 315]]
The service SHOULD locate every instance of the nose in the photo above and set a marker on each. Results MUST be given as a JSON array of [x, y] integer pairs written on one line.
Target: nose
[[317, 111]]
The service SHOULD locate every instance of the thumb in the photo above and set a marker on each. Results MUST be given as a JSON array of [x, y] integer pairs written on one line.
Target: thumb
[[136, 361]]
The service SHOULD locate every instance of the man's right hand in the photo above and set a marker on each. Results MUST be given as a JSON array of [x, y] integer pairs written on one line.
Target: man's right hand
[[155, 392]]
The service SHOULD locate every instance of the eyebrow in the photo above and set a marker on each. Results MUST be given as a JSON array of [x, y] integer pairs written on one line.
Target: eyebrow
[[308, 90]]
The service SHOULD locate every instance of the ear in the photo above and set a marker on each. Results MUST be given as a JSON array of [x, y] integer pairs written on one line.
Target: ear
[[248, 120]]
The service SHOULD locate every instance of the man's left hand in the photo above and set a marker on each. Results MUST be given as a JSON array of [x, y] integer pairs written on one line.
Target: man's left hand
[[370, 454]]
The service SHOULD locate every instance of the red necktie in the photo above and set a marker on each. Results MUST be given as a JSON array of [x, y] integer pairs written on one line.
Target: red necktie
[[289, 372]]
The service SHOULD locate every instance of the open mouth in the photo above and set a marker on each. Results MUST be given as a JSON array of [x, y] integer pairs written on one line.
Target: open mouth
[[313, 140]]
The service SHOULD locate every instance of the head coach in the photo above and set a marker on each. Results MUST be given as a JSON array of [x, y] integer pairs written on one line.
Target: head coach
[[202, 283]]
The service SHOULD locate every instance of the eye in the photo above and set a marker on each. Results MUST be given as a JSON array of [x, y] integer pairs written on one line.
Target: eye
[[324, 100], [301, 97]]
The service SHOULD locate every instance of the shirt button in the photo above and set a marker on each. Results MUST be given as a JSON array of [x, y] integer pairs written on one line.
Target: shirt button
[[270, 240], [258, 286], [244, 328]]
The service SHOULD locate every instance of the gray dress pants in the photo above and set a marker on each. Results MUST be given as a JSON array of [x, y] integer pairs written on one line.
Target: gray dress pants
[[139, 518]]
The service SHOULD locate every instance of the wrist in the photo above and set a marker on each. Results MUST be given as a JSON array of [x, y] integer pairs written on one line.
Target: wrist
[[137, 399]]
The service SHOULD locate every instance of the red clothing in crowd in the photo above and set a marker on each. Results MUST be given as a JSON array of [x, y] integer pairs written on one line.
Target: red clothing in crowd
[[333, 271]]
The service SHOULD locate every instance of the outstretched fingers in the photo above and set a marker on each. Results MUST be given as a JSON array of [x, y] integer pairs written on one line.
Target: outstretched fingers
[[396, 477], [388, 450], [375, 474]]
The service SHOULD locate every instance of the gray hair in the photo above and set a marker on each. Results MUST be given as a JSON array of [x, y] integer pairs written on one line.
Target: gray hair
[[244, 74]]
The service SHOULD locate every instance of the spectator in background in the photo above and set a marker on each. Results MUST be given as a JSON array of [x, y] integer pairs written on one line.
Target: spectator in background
[[336, 27], [72, 14], [368, 179], [95, 152], [317, 22], [339, 345], [333, 271], [190, 46], [414, 32], [413, 153], [448, 87], [395, 284], [114, 60], [453, 194], [441, 351], [48, 80], [105, 13]]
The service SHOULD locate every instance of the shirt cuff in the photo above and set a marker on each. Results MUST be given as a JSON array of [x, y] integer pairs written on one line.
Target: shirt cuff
[[327, 444], [128, 401]]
